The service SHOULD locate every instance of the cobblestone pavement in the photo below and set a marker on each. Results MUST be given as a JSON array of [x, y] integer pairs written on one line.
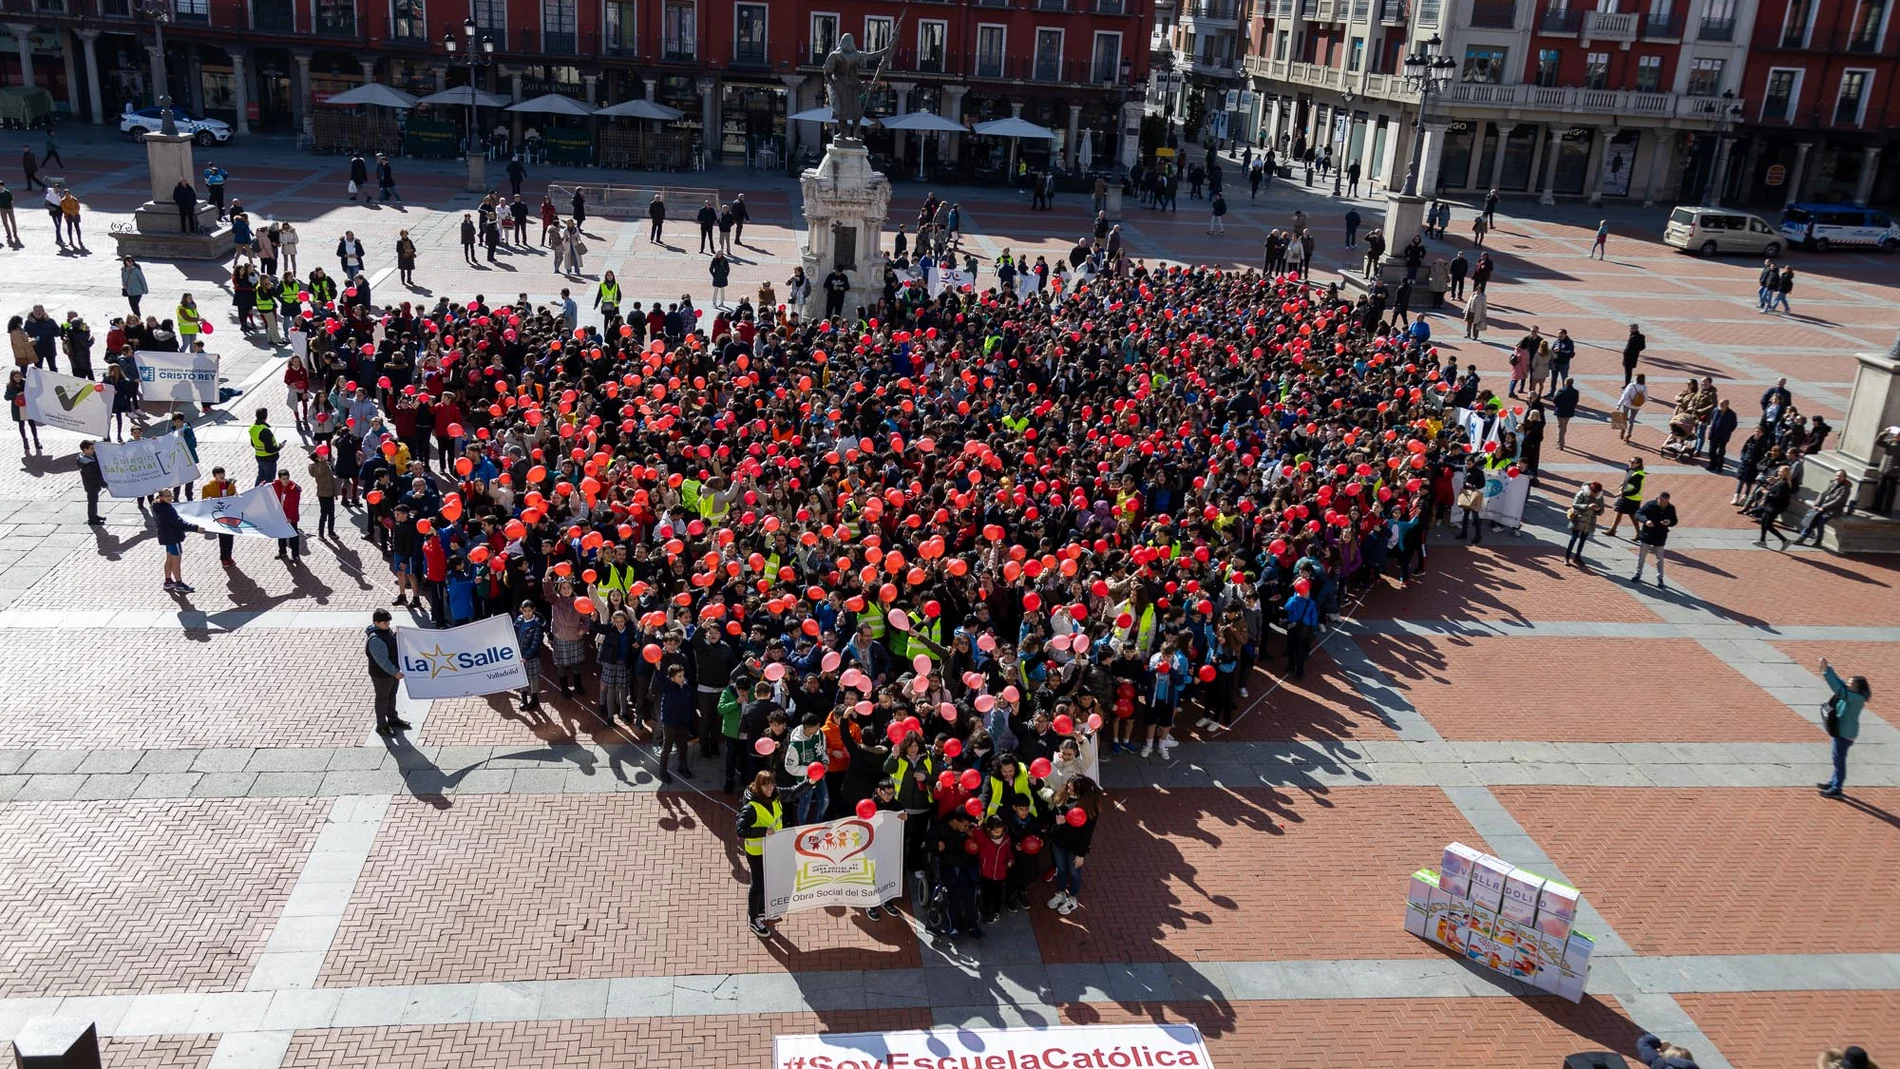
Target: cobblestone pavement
[[204, 849]]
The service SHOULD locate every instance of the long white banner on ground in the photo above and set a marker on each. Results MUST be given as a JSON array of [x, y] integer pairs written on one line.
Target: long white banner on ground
[[178, 377], [144, 466], [68, 402], [849, 862], [461, 662], [255, 512], [1113, 1046]]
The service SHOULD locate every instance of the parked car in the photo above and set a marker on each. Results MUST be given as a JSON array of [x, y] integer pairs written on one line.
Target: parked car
[[1713, 231], [203, 131], [1822, 226]]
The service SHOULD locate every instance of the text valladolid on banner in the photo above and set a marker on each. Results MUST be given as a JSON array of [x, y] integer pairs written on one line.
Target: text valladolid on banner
[[461, 662], [849, 862]]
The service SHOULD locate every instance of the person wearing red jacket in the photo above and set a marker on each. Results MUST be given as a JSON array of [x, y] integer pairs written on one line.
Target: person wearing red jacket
[[995, 853], [290, 496]]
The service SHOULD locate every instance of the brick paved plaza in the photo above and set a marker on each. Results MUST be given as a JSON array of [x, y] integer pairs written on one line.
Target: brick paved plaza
[[204, 848]]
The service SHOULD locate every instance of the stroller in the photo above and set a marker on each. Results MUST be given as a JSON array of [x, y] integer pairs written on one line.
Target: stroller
[[1681, 442]]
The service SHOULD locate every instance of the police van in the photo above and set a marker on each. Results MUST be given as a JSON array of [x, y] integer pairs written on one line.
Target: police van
[[1823, 226]]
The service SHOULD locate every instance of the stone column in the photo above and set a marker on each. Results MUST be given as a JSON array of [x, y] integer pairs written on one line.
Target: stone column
[[1497, 160], [953, 109], [195, 86], [89, 44], [653, 87], [1551, 150], [1718, 179], [1015, 111], [1658, 160], [1434, 155], [793, 82], [156, 61], [72, 73], [369, 68], [709, 117], [23, 39], [1132, 112], [1869, 166], [241, 90], [589, 85], [1593, 169], [1799, 172], [901, 138], [1075, 131], [514, 97], [300, 91], [441, 78]]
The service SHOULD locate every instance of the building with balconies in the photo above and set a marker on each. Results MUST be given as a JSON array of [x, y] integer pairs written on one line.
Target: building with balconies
[[736, 70], [1629, 98], [1822, 105]]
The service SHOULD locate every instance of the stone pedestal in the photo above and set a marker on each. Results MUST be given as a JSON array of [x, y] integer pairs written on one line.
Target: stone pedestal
[[57, 1043], [156, 233], [1872, 408], [477, 172], [846, 203], [1404, 219], [1114, 205]]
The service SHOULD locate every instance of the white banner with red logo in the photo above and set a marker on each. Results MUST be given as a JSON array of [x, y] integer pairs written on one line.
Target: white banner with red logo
[[849, 862], [1112, 1046]]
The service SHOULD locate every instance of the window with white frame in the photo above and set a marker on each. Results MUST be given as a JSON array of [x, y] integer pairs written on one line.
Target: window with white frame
[[558, 24], [1705, 77], [491, 18], [1484, 63], [1048, 60], [748, 35], [1850, 107], [1596, 70], [336, 18], [933, 36], [1107, 58], [191, 10], [1870, 19], [824, 35], [1356, 54], [1649, 74], [877, 32], [990, 42], [622, 28], [1797, 23], [1781, 94], [679, 30]]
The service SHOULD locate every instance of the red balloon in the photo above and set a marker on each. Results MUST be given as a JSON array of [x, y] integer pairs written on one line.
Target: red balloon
[[971, 780], [1064, 725], [974, 808], [1076, 818], [1032, 844], [1040, 768], [1206, 673], [815, 771], [970, 845], [867, 809]]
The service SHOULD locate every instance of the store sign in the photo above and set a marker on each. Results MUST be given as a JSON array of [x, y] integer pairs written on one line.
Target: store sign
[[1776, 175]]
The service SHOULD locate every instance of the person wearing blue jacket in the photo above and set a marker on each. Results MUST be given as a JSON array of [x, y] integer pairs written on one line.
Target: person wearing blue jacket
[[1657, 1054], [1850, 697], [171, 535], [1302, 623], [531, 632], [679, 710]]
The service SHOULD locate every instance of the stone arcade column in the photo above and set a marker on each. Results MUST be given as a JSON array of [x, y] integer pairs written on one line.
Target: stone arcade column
[[240, 88], [23, 40], [300, 91], [89, 40], [1552, 148], [953, 110]]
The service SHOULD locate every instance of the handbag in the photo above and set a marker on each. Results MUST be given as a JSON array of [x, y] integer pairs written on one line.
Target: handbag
[[352, 187], [1471, 500], [1831, 718], [1618, 420]]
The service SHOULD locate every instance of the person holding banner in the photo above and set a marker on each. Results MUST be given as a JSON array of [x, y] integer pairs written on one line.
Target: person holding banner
[[761, 812], [92, 480], [16, 404], [219, 486], [384, 674]]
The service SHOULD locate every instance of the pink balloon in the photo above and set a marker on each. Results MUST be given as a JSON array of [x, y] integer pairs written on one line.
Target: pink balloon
[[831, 661], [985, 702], [1011, 694], [864, 708], [1059, 642], [863, 683], [986, 642], [1081, 644], [921, 663], [765, 747], [899, 619], [920, 684], [947, 711], [973, 680], [775, 671], [850, 677], [1095, 721]]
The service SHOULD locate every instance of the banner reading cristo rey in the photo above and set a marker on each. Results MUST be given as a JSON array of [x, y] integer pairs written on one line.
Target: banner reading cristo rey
[[849, 862]]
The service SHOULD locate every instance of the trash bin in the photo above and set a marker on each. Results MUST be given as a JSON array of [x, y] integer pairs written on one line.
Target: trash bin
[[1595, 1059], [57, 1043]]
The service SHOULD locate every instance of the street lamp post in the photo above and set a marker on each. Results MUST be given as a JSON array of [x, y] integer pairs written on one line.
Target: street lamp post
[[1427, 71], [1340, 160], [160, 12], [474, 55]]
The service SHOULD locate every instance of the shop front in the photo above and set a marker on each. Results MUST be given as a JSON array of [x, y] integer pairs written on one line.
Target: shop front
[[752, 117]]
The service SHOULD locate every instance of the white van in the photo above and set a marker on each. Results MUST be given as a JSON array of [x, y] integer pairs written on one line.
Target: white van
[[1711, 231], [1823, 226]]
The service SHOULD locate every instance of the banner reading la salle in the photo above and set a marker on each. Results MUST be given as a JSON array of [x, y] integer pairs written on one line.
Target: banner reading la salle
[[67, 402], [849, 862], [144, 466], [255, 512], [461, 662]]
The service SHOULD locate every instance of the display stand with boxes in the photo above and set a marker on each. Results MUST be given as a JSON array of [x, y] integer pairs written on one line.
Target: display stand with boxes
[[1503, 917]]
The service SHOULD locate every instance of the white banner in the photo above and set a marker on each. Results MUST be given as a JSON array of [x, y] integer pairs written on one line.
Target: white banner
[[144, 466], [479, 658], [178, 376], [1504, 498], [1109, 1046], [939, 279], [255, 512], [300, 344], [68, 402], [849, 862]]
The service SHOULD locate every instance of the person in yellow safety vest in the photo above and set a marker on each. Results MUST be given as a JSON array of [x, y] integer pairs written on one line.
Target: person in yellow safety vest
[[265, 445], [873, 618], [618, 573], [689, 496], [1012, 780], [760, 814], [1015, 423], [714, 502]]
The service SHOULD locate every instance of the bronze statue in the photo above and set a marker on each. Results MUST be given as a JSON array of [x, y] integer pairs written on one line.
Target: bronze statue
[[843, 72]]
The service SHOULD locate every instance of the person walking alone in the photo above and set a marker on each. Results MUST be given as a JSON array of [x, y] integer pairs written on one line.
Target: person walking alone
[[384, 674], [1841, 720], [1653, 522]]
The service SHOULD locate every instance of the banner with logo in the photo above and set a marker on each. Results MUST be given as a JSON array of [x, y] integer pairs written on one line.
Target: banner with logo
[[937, 279], [1504, 498], [144, 466], [255, 512], [67, 402], [177, 377], [479, 658], [1109, 1046], [849, 862]]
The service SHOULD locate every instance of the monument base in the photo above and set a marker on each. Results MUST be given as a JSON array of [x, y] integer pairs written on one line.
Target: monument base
[[1404, 219], [1869, 438], [846, 204], [158, 236], [477, 172]]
